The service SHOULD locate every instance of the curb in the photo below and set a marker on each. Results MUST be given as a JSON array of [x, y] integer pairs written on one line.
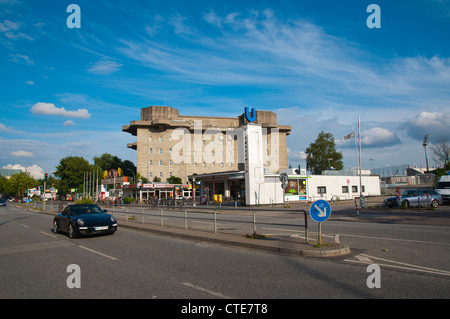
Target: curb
[[248, 245]]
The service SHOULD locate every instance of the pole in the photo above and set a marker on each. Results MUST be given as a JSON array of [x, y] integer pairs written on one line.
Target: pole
[[320, 234], [45, 172], [254, 222], [360, 178]]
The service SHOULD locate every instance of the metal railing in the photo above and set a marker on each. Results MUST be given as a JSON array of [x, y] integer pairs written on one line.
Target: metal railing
[[212, 218]]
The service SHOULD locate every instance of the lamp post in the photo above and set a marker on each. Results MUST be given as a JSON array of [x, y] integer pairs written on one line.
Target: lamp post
[[424, 144]]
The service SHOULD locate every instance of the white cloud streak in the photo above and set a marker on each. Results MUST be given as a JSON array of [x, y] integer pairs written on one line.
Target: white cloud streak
[[51, 109]]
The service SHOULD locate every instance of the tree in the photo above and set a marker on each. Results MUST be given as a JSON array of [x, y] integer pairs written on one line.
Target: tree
[[174, 180], [441, 151], [20, 183], [71, 171], [322, 154], [107, 162]]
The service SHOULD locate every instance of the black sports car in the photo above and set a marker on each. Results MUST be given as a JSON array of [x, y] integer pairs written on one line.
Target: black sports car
[[84, 219]]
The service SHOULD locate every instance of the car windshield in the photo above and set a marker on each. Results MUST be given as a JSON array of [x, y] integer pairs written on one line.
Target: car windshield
[[442, 185], [85, 209]]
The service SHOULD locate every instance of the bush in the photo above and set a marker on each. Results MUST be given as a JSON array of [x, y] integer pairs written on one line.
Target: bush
[[128, 200], [85, 200]]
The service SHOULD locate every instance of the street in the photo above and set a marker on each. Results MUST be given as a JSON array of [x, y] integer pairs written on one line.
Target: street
[[414, 262]]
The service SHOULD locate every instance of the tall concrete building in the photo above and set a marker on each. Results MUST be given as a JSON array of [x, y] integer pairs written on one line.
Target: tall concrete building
[[169, 144]]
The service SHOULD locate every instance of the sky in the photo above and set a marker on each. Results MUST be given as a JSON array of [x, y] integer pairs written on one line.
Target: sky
[[67, 91]]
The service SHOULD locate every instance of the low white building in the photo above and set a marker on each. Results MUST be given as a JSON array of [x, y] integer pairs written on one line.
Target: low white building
[[330, 187]]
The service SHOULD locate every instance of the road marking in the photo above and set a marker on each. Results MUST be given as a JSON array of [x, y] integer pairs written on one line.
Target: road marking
[[396, 239], [33, 247], [43, 232], [216, 294], [26, 226], [367, 259], [97, 252]]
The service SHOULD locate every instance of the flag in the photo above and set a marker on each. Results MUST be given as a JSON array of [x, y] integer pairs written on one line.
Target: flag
[[349, 136]]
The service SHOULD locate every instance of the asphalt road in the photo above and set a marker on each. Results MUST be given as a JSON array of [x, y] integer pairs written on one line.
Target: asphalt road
[[414, 261]]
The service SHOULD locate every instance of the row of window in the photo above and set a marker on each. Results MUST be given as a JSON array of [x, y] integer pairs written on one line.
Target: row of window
[[150, 174], [213, 164], [323, 189], [229, 138]]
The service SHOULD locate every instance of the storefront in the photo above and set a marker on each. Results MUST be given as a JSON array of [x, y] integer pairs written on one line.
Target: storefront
[[158, 191]]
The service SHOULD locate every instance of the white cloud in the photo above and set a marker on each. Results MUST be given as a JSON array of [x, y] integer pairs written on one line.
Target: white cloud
[[378, 137], [3, 128], [69, 123], [30, 82], [34, 170], [51, 109], [436, 124], [18, 58], [22, 154], [104, 67]]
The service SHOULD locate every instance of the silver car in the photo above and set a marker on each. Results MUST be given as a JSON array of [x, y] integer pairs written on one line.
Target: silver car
[[422, 197]]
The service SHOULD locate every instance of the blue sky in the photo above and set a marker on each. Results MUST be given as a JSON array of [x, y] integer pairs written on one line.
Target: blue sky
[[314, 63]]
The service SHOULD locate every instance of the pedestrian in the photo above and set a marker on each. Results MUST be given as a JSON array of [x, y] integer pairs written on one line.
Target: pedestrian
[[398, 195]]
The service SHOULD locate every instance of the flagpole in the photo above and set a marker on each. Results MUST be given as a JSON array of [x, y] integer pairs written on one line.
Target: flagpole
[[360, 178]]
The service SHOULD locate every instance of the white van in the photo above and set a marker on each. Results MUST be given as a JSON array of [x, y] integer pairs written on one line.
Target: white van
[[443, 187]]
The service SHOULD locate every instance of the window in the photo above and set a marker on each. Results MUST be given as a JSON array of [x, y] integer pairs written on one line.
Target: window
[[170, 174], [149, 174], [160, 174], [160, 139], [321, 189], [160, 163], [170, 162], [150, 139], [354, 189], [150, 162], [160, 151], [150, 151], [345, 189]]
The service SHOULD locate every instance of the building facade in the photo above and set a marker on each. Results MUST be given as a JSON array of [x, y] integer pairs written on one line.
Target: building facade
[[169, 144]]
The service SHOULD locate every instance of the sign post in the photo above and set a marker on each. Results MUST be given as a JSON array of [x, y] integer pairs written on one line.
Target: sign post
[[320, 211]]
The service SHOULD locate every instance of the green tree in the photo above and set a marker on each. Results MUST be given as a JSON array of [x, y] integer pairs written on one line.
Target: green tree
[[107, 161], [71, 172], [19, 183], [174, 180], [322, 154]]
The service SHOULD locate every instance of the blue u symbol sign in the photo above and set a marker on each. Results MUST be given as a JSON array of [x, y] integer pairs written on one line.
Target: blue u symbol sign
[[247, 115]]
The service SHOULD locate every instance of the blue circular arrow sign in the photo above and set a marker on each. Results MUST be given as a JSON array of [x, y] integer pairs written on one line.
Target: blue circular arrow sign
[[320, 210]]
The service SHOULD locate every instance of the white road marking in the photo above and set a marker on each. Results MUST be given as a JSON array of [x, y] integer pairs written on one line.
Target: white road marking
[[97, 252], [43, 232], [26, 226], [367, 259], [216, 294]]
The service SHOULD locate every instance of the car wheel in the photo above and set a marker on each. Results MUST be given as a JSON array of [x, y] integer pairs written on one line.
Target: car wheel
[[72, 232], [405, 204], [434, 203], [55, 227]]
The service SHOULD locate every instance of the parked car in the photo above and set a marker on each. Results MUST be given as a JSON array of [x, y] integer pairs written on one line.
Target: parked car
[[443, 187], [2, 202], [412, 198], [84, 219]]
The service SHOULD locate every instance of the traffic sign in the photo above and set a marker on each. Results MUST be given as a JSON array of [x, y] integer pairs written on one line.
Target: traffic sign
[[320, 210]]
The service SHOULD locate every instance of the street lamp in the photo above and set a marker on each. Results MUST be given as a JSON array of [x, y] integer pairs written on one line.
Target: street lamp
[[424, 144]]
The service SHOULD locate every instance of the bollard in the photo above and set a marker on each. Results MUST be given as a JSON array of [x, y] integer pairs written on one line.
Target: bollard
[[254, 222], [306, 226], [215, 222], [185, 219]]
